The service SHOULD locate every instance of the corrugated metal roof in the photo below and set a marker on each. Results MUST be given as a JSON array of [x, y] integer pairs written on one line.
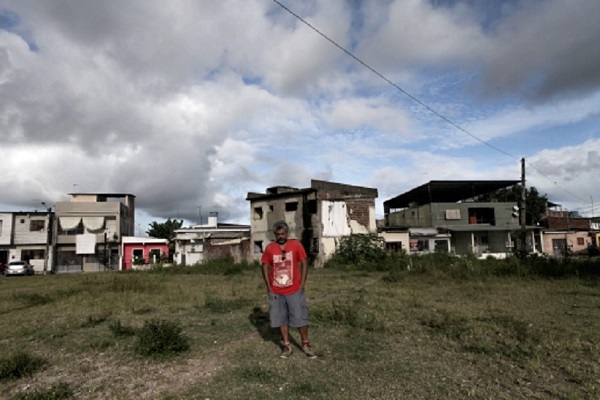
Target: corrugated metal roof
[[445, 192]]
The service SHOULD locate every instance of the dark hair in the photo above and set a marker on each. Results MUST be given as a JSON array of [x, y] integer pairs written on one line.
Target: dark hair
[[281, 224]]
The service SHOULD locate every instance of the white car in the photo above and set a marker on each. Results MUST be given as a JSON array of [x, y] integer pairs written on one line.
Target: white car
[[19, 268]]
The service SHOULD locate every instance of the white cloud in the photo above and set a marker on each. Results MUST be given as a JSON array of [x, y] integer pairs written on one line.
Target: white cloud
[[195, 103]]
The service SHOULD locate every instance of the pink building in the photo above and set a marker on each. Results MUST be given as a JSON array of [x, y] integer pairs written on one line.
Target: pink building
[[151, 250]]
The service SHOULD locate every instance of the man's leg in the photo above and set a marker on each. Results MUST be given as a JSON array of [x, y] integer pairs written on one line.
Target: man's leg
[[306, 349], [285, 333], [303, 330], [286, 347]]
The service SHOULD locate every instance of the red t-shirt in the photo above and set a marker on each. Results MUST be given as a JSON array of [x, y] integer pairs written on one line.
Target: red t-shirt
[[284, 266]]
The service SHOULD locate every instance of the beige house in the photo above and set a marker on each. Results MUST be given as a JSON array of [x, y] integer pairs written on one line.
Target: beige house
[[568, 231], [89, 231], [318, 216]]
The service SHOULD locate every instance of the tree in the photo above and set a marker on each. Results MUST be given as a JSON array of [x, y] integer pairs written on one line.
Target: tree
[[535, 204], [166, 230]]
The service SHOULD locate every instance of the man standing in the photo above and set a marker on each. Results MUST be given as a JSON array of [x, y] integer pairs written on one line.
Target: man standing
[[284, 269]]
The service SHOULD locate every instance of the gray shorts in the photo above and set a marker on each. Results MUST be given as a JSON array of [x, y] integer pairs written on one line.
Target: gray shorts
[[288, 309]]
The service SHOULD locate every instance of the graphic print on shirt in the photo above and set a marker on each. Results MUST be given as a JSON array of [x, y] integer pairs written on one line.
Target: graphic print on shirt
[[283, 273]]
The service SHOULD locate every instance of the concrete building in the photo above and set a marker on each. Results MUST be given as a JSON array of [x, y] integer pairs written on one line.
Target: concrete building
[[318, 216], [214, 240], [26, 236], [451, 211], [89, 231]]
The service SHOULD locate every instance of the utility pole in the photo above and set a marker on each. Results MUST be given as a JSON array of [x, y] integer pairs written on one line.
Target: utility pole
[[523, 215], [49, 217]]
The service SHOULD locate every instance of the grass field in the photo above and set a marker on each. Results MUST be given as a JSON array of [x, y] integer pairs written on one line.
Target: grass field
[[378, 335]]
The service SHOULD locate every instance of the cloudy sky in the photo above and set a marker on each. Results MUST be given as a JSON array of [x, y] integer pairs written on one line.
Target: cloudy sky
[[191, 104]]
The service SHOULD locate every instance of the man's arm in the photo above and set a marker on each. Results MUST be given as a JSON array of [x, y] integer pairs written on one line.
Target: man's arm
[[265, 273], [303, 273]]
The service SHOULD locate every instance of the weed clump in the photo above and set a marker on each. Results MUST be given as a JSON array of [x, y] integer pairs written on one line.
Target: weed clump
[[160, 338], [120, 330], [352, 314], [35, 299], [58, 391], [20, 365]]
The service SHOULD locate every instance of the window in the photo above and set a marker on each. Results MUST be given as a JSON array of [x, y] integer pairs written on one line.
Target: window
[[0, 228], [292, 206], [419, 245], [154, 256], [78, 230], [258, 247], [33, 254], [441, 245], [37, 225], [258, 213], [138, 256], [271, 207], [393, 246], [453, 214], [580, 242]]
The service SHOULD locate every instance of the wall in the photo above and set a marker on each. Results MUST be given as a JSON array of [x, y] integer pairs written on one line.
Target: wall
[[303, 221], [399, 239], [23, 233], [451, 214], [567, 223], [146, 248], [6, 228], [413, 217], [573, 240]]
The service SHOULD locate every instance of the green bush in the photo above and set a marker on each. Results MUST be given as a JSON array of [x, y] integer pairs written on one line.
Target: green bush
[[362, 252], [20, 365], [160, 338]]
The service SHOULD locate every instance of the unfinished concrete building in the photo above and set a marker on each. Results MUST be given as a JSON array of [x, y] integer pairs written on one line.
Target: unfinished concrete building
[[318, 216]]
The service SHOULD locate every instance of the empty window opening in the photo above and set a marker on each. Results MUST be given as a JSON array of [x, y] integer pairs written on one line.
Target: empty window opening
[[481, 216], [312, 206], [258, 213], [292, 206]]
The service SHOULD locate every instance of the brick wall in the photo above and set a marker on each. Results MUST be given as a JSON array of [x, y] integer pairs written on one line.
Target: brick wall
[[559, 223], [358, 210]]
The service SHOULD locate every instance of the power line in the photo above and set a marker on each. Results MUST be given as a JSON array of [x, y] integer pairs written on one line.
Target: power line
[[409, 95], [414, 98]]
